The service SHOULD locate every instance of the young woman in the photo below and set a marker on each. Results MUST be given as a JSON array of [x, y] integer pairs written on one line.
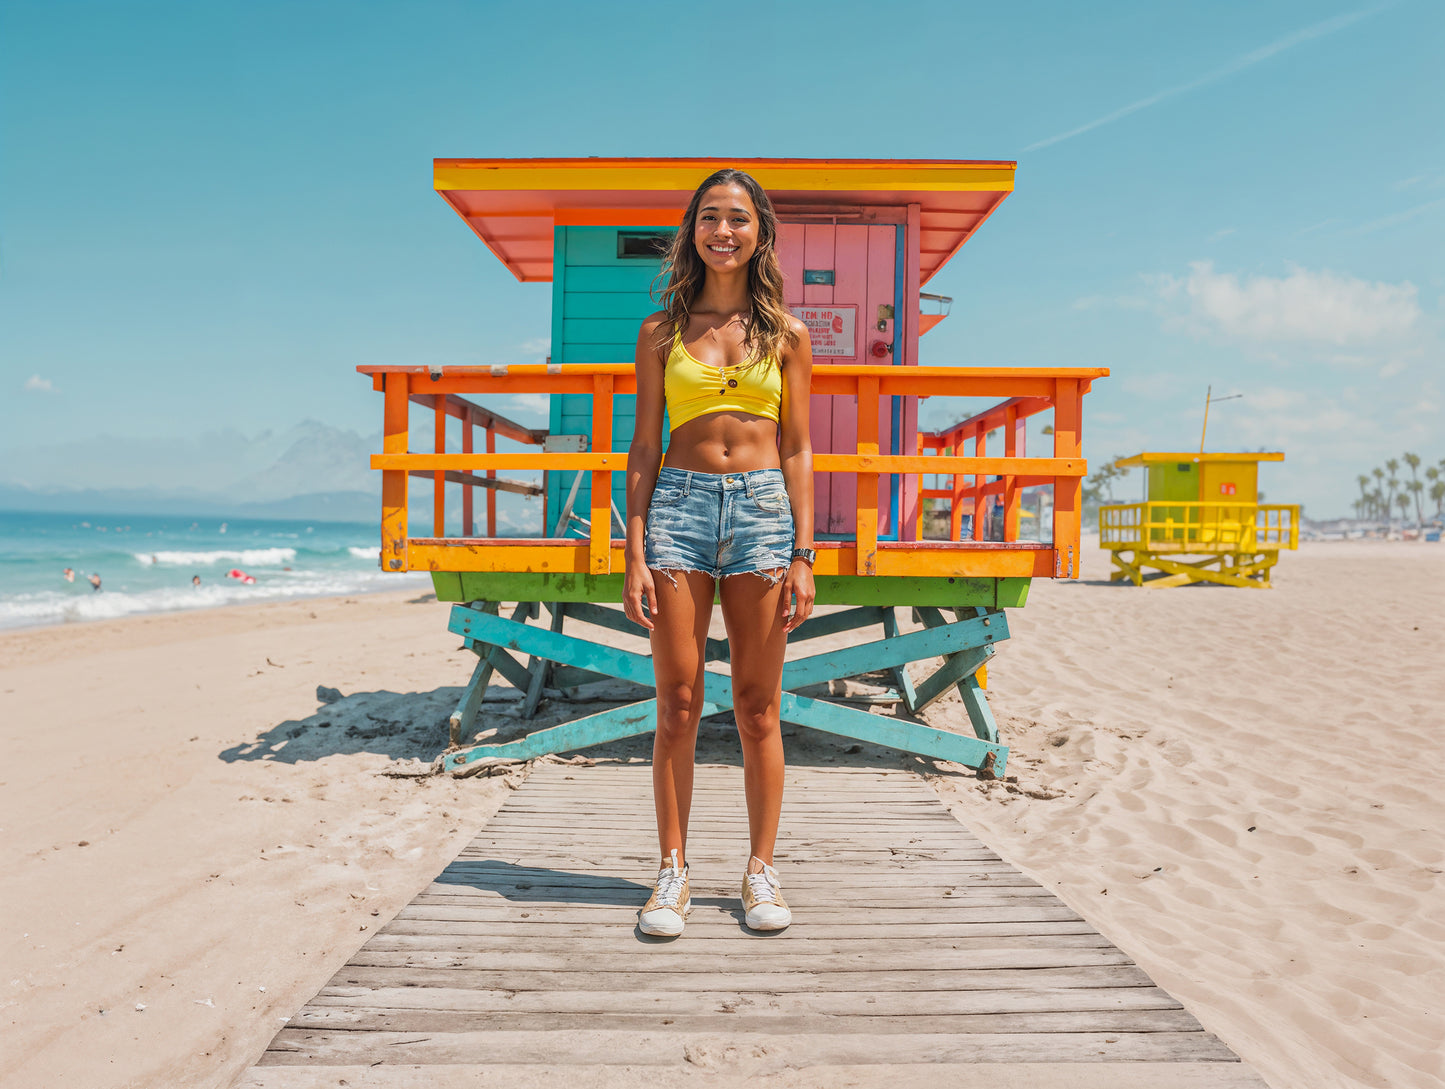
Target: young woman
[[731, 504]]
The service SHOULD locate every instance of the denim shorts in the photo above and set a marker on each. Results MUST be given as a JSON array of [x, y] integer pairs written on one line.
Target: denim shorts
[[720, 523]]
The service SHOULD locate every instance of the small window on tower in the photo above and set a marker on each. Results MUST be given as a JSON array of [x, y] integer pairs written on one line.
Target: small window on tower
[[651, 244]]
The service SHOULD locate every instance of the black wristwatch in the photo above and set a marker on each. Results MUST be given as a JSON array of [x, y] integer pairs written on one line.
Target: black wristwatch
[[807, 555]]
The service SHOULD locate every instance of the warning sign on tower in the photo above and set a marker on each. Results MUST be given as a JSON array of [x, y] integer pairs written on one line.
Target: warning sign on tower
[[833, 330]]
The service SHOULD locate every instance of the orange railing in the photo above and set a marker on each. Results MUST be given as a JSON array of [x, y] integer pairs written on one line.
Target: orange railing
[[970, 498], [1024, 392], [492, 424]]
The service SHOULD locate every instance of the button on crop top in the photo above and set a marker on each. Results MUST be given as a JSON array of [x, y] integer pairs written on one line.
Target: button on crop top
[[695, 389]]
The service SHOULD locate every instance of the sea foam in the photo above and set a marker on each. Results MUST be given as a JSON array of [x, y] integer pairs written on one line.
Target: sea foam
[[251, 557], [60, 607]]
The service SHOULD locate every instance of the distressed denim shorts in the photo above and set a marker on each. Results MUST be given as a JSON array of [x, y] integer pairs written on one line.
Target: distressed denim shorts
[[720, 523]]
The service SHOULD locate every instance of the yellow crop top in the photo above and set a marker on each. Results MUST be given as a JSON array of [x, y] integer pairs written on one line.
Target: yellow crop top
[[695, 389]]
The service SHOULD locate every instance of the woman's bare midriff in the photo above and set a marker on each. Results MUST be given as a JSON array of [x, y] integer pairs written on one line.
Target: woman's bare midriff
[[724, 442]]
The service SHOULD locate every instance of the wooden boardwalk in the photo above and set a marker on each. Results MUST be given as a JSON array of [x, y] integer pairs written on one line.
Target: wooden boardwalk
[[918, 957]]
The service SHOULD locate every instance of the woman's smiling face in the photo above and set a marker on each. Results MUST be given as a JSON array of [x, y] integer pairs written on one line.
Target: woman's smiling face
[[726, 235]]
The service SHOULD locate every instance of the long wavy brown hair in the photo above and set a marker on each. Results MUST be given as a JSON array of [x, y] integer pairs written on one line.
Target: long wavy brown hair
[[766, 332]]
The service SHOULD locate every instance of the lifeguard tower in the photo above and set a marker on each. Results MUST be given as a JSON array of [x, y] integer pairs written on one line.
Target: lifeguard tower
[[1201, 521], [857, 241]]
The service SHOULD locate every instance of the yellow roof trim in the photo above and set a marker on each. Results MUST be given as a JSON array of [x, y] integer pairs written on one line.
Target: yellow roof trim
[[672, 175], [1154, 457]]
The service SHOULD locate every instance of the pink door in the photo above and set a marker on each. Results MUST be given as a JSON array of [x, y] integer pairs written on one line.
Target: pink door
[[839, 278]]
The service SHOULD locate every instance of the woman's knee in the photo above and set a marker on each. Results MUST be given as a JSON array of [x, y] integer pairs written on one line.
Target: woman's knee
[[678, 706], [756, 713]]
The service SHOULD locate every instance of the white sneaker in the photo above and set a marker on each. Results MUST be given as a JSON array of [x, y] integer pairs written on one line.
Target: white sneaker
[[763, 905], [666, 909]]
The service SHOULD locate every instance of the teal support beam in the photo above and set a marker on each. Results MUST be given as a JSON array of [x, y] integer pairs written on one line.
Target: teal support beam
[[896, 733], [964, 646], [833, 623], [589, 613], [979, 712], [466, 713], [886, 653], [565, 676], [716, 650], [582, 733], [569, 650], [900, 672], [955, 671]]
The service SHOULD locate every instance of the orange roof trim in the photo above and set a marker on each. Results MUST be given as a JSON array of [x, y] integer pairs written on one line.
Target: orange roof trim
[[513, 204]]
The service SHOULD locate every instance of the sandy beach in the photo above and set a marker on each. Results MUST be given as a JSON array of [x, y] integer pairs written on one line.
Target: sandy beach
[[1240, 789]]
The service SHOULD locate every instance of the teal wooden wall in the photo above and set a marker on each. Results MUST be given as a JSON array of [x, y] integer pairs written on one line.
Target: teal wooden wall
[[598, 303]]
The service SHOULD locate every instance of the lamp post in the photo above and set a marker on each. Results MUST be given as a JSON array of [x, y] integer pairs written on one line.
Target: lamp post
[[1208, 397]]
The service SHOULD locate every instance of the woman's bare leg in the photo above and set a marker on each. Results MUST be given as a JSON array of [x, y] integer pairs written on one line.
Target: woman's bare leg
[[684, 610], [757, 643]]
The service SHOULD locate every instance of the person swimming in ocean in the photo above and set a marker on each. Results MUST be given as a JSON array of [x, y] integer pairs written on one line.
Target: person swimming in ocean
[[95, 582], [196, 581], [69, 574]]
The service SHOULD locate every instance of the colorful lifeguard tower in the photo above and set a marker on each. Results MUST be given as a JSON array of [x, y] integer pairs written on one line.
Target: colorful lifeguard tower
[[1201, 521], [857, 240]]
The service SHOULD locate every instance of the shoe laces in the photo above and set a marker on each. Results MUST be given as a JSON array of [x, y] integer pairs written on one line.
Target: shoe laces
[[764, 886], [670, 880]]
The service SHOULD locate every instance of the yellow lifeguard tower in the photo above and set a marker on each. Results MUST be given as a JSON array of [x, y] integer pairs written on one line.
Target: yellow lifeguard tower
[[1198, 505]]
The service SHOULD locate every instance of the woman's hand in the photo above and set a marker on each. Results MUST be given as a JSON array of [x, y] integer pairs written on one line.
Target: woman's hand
[[637, 587], [797, 587]]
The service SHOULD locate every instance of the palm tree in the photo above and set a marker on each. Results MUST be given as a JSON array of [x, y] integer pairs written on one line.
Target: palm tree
[[1432, 474], [1403, 502], [1364, 482], [1415, 487], [1437, 493], [1379, 475], [1392, 467]]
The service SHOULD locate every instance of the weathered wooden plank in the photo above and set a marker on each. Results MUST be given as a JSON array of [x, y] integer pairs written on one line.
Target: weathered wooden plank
[[675, 980], [839, 1003], [629, 899], [709, 914], [665, 1048], [704, 914], [775, 956], [457, 938], [723, 1073], [743, 1019], [855, 886], [487, 929], [965, 922], [853, 863], [817, 867]]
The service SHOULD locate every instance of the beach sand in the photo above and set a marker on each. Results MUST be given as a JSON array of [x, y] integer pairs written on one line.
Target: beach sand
[[1241, 789]]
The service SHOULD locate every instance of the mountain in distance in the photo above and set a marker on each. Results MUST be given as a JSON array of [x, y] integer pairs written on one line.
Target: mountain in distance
[[310, 471]]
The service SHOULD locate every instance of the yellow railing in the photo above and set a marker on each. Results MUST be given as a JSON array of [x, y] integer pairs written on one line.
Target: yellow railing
[[1199, 526]]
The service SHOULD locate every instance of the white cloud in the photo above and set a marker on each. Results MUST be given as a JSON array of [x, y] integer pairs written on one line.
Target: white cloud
[[36, 384], [531, 402], [1303, 307]]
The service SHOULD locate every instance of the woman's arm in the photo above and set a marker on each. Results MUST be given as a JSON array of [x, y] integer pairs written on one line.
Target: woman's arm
[[644, 458], [795, 448]]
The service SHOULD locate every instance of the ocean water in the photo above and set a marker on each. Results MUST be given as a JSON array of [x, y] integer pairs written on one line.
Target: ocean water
[[146, 564]]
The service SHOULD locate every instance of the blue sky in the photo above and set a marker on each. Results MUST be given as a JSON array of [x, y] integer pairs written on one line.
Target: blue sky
[[209, 214]]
